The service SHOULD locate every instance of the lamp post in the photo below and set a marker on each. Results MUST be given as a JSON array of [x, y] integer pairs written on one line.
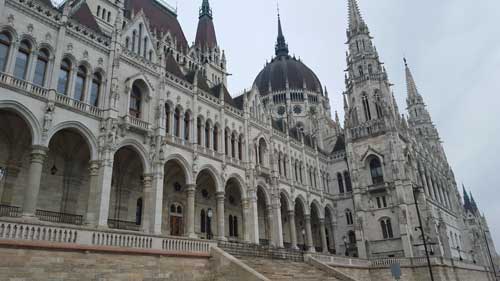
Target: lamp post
[[416, 191], [345, 246], [304, 239], [209, 224]]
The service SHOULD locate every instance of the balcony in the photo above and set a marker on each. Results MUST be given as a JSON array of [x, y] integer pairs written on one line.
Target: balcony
[[56, 217], [368, 129], [78, 105], [10, 211], [124, 225], [134, 123]]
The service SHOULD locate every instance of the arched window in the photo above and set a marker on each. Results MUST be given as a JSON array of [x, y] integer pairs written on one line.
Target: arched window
[[135, 101], [360, 71], [376, 171], [63, 81], [240, 148], [352, 237], [279, 164], [138, 212], [203, 222], [226, 142], [167, 118], [378, 104], [231, 234], [366, 107], [235, 226], [81, 78], [207, 134], [134, 35], [98, 10], [95, 89], [177, 125], [296, 171], [187, 121], [198, 131], [233, 145], [216, 138], [127, 43], [42, 63], [139, 43], [386, 226], [370, 69], [348, 183], [103, 16], [22, 58], [5, 42], [348, 216], [340, 182], [145, 46], [109, 16]]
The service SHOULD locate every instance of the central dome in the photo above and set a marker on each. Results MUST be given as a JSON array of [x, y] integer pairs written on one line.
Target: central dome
[[274, 76]]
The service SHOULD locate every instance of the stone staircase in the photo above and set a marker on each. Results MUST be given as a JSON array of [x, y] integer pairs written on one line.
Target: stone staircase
[[285, 270], [276, 264]]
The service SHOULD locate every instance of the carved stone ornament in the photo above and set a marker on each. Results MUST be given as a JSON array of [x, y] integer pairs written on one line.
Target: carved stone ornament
[[30, 28], [10, 19], [48, 37], [70, 47], [85, 54]]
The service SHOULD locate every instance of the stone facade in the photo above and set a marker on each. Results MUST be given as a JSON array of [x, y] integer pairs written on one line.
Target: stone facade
[[109, 119]]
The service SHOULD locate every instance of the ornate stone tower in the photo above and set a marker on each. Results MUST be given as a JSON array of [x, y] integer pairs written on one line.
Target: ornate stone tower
[[376, 152]]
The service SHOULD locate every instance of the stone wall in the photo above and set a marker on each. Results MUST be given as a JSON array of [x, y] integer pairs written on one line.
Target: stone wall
[[40, 264]]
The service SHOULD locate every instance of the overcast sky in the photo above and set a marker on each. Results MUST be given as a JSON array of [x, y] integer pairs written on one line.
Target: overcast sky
[[452, 46]]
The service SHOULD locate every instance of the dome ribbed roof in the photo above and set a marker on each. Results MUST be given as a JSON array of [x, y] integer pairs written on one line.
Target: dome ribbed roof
[[285, 68]]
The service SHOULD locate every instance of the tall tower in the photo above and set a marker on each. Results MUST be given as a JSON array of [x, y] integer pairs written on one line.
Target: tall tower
[[212, 58], [419, 119], [382, 187]]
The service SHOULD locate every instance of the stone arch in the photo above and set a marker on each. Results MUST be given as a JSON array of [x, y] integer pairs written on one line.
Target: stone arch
[[215, 174], [264, 188], [49, 48], [70, 57], [11, 30], [315, 204], [27, 116], [86, 133], [30, 39], [241, 183], [284, 194], [184, 164], [301, 200], [141, 151]]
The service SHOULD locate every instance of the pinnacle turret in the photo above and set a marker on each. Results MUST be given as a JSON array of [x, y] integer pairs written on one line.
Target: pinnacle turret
[[410, 83], [356, 22], [281, 45], [205, 9]]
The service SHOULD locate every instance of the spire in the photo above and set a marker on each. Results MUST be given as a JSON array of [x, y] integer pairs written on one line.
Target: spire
[[473, 204], [356, 22], [205, 9], [411, 86], [466, 198], [281, 45]]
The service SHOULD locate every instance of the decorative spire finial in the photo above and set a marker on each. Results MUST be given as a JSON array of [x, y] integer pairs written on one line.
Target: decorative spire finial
[[411, 86], [281, 45], [356, 22], [205, 9]]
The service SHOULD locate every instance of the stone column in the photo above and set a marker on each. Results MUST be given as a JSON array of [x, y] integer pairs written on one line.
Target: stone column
[[104, 190], [324, 244], [190, 211], [156, 208], [31, 191], [276, 222], [253, 224], [91, 215], [147, 213], [220, 216], [309, 238], [271, 226], [246, 220], [293, 231]]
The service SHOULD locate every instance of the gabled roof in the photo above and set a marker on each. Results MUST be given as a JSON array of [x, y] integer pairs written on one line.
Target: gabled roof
[[201, 81], [205, 35], [339, 145], [160, 18], [172, 66], [84, 16], [239, 101], [227, 97]]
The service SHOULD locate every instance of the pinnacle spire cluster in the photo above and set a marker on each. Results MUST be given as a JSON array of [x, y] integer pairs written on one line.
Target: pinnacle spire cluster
[[281, 45], [411, 86], [356, 22], [205, 9]]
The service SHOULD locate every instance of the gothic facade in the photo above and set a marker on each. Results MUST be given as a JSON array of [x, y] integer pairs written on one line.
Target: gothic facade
[[111, 120]]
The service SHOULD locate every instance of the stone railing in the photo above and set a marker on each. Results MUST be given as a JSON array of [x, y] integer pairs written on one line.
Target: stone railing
[[341, 261], [368, 129], [51, 233], [136, 122], [125, 225], [59, 217], [79, 105], [26, 87], [259, 251], [10, 211]]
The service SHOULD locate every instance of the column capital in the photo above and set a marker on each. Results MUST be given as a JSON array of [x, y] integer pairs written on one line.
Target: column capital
[[191, 187], [220, 195], [38, 154], [321, 221], [291, 213], [307, 217], [94, 167], [147, 180]]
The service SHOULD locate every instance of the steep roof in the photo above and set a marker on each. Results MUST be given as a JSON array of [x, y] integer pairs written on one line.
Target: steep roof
[[205, 35], [340, 144], [160, 18], [172, 67], [84, 16]]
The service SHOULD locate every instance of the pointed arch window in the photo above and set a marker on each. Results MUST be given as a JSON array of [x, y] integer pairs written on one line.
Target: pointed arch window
[[42, 63], [187, 121], [203, 222], [5, 43], [167, 118], [198, 131], [95, 89], [370, 67], [366, 107], [138, 212], [341, 183], [376, 171], [386, 227], [80, 81], [226, 142], [348, 183], [233, 145], [145, 51], [207, 134], [63, 81], [348, 216], [216, 138], [360, 71], [296, 171], [378, 104], [22, 58], [177, 120], [240, 148], [134, 35], [135, 101]]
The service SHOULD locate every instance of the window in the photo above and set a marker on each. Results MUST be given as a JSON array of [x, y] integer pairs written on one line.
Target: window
[[366, 107], [135, 102], [98, 10], [207, 134], [138, 212], [134, 35], [5, 42], [109, 16], [348, 216], [95, 89], [376, 171], [187, 121], [203, 223], [348, 183], [198, 131], [42, 63], [381, 202], [386, 226], [378, 105], [81, 78], [63, 82], [352, 237], [167, 118], [145, 51], [240, 148], [233, 145], [127, 43], [340, 182], [360, 71], [226, 143], [216, 138], [177, 125], [22, 58]]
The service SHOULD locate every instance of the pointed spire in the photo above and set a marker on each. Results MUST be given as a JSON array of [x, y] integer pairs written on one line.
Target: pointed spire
[[281, 45], [337, 119], [466, 198], [205, 9], [356, 22], [411, 86]]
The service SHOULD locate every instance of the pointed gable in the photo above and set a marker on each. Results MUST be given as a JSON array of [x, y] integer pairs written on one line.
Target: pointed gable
[[84, 16], [172, 66]]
